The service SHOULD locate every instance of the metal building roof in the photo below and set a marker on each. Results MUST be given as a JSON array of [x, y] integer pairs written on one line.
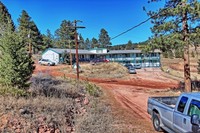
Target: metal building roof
[[83, 51]]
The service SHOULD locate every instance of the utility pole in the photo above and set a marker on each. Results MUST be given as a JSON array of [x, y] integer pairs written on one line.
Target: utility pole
[[76, 43]]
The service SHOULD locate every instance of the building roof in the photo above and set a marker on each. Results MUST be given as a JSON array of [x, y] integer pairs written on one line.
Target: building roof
[[129, 51], [80, 51], [83, 51]]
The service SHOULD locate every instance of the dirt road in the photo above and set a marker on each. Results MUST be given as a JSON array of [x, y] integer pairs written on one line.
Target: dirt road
[[128, 97]]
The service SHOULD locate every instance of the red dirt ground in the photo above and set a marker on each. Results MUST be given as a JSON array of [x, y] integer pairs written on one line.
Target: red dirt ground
[[127, 97]]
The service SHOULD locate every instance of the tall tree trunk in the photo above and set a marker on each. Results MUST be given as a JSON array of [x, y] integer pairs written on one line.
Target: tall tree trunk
[[187, 78]]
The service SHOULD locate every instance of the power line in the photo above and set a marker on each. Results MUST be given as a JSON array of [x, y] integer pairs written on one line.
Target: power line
[[138, 24], [131, 28]]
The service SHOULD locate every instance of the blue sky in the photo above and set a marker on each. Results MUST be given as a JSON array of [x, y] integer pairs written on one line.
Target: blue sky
[[115, 16]]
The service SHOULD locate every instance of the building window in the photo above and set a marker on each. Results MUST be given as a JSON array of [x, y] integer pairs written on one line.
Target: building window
[[127, 55]]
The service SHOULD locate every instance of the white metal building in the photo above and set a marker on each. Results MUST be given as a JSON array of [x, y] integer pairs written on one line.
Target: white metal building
[[51, 55]]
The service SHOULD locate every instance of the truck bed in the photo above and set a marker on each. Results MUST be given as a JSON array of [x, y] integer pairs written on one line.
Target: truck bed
[[169, 101]]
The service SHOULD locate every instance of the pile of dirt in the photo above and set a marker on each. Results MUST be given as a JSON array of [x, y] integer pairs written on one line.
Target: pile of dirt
[[104, 70]]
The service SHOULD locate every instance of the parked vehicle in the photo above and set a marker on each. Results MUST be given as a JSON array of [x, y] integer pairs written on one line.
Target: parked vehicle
[[131, 70], [137, 66], [128, 65], [46, 62], [176, 114], [98, 60]]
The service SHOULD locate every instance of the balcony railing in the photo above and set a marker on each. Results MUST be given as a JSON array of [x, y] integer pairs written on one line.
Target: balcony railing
[[132, 58]]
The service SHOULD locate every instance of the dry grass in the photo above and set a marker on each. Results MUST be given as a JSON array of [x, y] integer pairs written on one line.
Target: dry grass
[[55, 105], [175, 67], [105, 70], [97, 120]]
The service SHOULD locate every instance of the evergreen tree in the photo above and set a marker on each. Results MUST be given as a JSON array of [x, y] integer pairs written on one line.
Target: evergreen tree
[[65, 34], [16, 67], [81, 42], [171, 29], [48, 39], [95, 43], [104, 39], [29, 32], [87, 43], [36, 38], [5, 19], [129, 45]]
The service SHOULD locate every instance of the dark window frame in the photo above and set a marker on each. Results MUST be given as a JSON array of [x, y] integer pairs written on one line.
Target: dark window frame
[[182, 104]]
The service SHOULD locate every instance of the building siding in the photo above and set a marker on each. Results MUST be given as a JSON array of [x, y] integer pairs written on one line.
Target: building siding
[[51, 55]]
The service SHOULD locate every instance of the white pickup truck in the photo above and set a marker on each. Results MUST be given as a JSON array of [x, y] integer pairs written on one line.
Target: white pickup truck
[[176, 114]]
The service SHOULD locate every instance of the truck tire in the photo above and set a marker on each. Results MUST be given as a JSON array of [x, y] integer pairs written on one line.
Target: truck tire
[[156, 122]]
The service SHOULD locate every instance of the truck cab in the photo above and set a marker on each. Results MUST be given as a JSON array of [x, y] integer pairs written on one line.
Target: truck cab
[[182, 117], [188, 105]]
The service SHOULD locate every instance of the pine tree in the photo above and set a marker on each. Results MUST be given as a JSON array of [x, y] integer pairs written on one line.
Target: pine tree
[[5, 19], [171, 29], [129, 45], [65, 34], [104, 39], [16, 66], [95, 43], [87, 43], [81, 42], [29, 32], [36, 38], [48, 40]]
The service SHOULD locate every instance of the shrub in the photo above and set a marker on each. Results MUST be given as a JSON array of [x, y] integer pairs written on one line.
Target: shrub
[[192, 54], [13, 91], [50, 87], [93, 90]]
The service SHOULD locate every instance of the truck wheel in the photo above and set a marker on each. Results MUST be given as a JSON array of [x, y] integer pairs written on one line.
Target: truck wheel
[[156, 122]]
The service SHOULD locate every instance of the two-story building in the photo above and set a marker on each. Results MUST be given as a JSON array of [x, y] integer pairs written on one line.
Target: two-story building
[[152, 59]]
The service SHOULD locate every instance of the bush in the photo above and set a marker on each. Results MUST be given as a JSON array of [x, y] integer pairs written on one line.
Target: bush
[[192, 54], [50, 87], [13, 91], [165, 54], [92, 89]]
